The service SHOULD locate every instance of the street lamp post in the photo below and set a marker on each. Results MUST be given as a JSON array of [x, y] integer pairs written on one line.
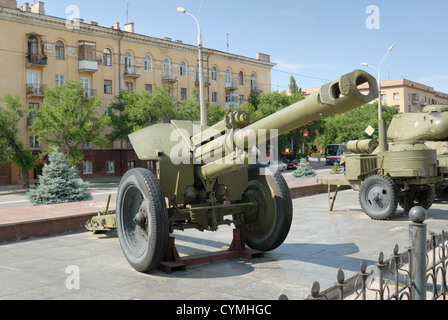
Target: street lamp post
[[201, 67], [382, 133]]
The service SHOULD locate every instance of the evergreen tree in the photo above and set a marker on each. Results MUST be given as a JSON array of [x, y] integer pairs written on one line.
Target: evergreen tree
[[58, 183], [304, 170], [336, 168]]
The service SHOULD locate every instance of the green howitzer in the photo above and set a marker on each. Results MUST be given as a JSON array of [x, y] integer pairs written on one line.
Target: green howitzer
[[207, 176]]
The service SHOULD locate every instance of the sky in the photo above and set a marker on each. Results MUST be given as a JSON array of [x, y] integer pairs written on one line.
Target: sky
[[314, 41]]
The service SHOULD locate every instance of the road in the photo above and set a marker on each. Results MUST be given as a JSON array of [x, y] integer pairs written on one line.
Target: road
[[18, 199], [102, 190]]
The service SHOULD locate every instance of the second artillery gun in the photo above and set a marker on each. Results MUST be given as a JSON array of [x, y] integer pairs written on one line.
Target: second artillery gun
[[206, 176], [407, 171]]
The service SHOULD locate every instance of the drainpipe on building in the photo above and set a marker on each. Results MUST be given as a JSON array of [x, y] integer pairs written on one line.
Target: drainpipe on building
[[119, 91]]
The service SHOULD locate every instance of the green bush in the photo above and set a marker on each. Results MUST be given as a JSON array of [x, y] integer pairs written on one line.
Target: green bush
[[58, 183], [304, 170]]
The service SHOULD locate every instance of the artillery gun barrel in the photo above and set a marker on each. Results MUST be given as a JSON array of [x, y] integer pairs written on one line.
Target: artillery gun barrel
[[338, 96]]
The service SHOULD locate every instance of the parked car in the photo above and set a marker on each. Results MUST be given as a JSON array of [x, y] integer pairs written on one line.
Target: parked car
[[279, 165], [293, 165]]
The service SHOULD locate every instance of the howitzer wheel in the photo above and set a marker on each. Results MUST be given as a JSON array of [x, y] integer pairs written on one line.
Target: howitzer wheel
[[268, 226], [378, 197], [142, 219]]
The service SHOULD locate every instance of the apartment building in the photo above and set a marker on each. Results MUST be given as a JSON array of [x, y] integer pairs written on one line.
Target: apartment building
[[406, 95], [410, 96], [39, 51]]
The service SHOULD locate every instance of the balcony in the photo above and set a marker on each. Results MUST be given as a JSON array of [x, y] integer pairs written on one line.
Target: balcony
[[89, 93], [131, 72], [87, 65], [36, 60], [255, 87], [169, 78], [206, 82], [35, 90], [231, 86]]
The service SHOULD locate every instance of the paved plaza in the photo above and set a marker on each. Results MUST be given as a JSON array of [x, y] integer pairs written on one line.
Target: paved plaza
[[84, 265]]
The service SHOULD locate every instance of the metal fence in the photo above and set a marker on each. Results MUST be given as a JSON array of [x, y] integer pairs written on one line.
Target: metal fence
[[419, 273]]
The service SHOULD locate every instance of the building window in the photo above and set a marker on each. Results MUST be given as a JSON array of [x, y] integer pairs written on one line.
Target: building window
[[59, 50], [129, 86], [228, 76], [86, 86], [183, 94], [87, 145], [33, 77], [128, 62], [108, 86], [253, 81], [148, 87], [32, 45], [183, 69], [59, 80], [107, 57], [166, 67], [228, 98], [383, 97], [34, 142], [215, 97], [87, 50], [214, 77], [148, 64], [241, 78], [87, 168], [131, 165], [396, 96], [110, 166]]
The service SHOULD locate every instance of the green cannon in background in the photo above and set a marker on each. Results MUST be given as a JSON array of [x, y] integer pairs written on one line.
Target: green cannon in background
[[408, 173], [206, 177]]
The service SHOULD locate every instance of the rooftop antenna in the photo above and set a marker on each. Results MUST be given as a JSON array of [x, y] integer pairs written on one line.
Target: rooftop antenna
[[227, 42], [127, 12]]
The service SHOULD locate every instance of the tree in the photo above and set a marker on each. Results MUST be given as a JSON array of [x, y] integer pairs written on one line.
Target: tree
[[352, 124], [134, 110], [58, 183], [304, 170], [293, 88], [68, 119], [11, 148], [190, 110]]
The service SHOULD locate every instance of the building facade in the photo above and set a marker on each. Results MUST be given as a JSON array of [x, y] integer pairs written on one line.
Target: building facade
[[39, 51]]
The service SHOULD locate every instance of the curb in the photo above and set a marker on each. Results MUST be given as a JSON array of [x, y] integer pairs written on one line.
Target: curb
[[50, 220]]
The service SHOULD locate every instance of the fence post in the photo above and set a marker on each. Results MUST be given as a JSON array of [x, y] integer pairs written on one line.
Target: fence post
[[417, 239]]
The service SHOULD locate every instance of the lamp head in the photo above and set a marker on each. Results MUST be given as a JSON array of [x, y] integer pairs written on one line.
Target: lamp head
[[181, 9]]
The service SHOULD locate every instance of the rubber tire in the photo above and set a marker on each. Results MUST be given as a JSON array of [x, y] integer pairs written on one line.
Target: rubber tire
[[141, 185], [265, 233], [388, 192], [423, 199]]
